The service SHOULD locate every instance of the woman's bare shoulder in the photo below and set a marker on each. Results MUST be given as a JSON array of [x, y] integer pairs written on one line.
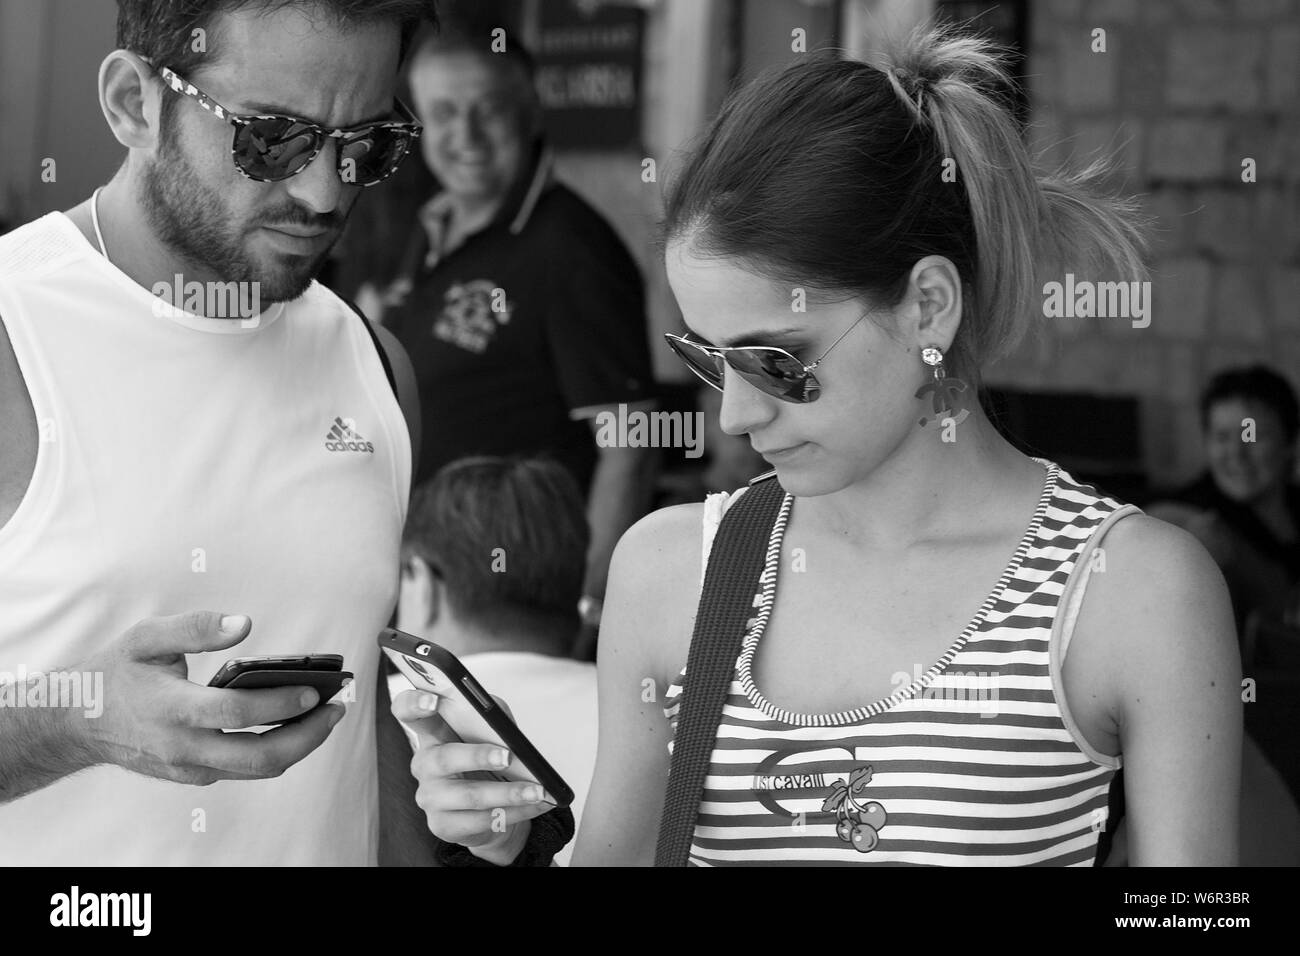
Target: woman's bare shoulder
[[1157, 597], [654, 586]]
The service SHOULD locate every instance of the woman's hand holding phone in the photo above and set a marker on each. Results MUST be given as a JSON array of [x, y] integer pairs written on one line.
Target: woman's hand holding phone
[[490, 817]]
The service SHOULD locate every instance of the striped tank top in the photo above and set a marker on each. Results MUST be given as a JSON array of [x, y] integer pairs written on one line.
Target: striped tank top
[[975, 762]]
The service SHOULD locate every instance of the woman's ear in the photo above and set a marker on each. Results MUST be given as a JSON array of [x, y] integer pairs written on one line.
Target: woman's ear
[[935, 289]]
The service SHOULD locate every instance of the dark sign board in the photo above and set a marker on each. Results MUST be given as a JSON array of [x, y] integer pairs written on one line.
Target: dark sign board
[[589, 73]]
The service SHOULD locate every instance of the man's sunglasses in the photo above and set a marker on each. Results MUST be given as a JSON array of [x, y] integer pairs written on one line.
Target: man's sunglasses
[[771, 370], [271, 148]]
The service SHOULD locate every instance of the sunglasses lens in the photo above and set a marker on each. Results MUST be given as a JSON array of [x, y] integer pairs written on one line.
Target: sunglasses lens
[[775, 373], [273, 149], [698, 361], [373, 156]]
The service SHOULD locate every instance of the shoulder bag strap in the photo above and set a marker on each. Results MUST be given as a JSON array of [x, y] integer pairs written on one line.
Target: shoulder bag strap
[[726, 603]]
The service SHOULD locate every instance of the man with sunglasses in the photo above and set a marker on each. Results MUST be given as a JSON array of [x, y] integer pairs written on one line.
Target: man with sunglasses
[[179, 488]]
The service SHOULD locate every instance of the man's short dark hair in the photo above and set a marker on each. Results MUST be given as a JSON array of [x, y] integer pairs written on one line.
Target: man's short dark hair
[[1261, 384], [508, 537], [163, 30]]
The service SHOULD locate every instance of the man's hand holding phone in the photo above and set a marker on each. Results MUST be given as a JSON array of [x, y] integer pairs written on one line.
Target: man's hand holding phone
[[158, 723], [489, 816]]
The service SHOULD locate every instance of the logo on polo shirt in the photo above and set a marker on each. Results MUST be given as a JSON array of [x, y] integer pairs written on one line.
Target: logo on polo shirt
[[471, 314], [343, 437]]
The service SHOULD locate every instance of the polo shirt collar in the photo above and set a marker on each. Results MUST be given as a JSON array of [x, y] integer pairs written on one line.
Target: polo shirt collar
[[517, 209]]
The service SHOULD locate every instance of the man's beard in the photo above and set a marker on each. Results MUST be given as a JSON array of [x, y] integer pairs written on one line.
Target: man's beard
[[190, 218]]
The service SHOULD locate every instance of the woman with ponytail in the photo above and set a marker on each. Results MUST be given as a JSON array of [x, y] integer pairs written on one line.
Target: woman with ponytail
[[942, 663]]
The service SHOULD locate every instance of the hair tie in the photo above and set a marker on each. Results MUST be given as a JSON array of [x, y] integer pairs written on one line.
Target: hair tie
[[917, 105]]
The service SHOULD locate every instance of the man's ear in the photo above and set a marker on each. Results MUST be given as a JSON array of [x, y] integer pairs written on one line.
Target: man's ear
[[131, 98]]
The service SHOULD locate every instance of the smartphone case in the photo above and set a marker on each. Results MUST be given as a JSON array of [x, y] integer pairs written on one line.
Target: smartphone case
[[326, 683], [469, 710]]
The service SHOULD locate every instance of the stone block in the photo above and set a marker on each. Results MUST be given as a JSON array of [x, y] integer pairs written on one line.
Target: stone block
[[1239, 304], [1282, 69], [1120, 142], [1174, 214], [1043, 85], [1182, 372], [1262, 9], [1224, 225], [1180, 293], [1214, 66], [1277, 221], [1059, 9], [1087, 78], [1187, 149], [1142, 71], [1262, 139], [1284, 302], [1184, 10], [1112, 11]]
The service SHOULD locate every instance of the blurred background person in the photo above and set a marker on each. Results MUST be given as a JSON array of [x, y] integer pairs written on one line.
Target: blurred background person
[[510, 614], [1245, 507], [519, 305]]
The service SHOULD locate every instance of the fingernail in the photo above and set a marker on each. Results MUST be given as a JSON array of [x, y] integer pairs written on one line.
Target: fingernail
[[500, 758], [308, 698], [532, 794], [339, 711], [427, 702], [232, 624]]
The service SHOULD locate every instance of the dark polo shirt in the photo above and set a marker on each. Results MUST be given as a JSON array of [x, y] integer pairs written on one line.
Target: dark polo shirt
[[519, 333]]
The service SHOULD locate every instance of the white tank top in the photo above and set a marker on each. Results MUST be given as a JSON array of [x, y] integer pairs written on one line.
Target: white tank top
[[188, 463]]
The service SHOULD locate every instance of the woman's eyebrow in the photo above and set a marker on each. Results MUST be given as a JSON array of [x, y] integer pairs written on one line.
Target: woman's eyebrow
[[776, 336]]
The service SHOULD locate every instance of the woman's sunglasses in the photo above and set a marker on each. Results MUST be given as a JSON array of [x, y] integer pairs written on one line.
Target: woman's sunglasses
[[271, 148], [771, 370]]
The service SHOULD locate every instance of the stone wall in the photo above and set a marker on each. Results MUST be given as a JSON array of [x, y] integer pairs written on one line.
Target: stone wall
[[1184, 92]]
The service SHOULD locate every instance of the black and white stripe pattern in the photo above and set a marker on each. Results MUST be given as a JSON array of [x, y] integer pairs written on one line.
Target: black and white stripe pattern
[[961, 771]]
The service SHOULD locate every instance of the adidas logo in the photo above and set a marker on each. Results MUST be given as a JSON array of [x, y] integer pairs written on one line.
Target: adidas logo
[[343, 437]]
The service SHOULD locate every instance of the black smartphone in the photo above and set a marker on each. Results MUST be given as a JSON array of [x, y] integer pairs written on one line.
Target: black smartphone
[[468, 709], [324, 672]]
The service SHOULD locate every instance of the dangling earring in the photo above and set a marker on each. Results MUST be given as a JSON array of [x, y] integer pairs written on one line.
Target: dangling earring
[[946, 393]]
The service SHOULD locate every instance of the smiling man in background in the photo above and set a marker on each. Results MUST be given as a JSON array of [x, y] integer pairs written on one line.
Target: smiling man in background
[[521, 309], [179, 488]]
